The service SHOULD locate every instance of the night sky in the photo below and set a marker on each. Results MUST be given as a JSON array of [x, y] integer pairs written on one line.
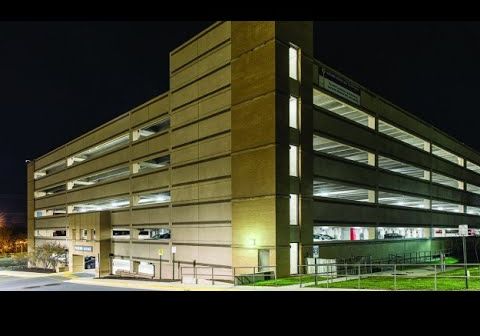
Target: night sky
[[59, 80]]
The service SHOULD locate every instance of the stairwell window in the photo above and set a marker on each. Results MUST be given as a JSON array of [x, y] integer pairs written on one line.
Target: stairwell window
[[293, 62], [293, 160]]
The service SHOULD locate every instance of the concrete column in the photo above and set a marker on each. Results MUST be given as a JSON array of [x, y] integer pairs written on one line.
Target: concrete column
[[426, 146], [371, 196], [426, 204], [426, 175], [371, 122], [371, 159]]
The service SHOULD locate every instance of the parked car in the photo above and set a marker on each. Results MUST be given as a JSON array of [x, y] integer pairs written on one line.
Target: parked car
[[392, 235], [162, 236], [322, 236]]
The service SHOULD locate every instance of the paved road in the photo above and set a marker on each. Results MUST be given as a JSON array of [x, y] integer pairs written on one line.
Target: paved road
[[49, 283]]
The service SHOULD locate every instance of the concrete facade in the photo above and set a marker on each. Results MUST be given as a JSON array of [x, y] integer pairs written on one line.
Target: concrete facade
[[200, 174]]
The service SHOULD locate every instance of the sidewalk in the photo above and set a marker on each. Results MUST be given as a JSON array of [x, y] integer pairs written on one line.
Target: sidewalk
[[177, 286]]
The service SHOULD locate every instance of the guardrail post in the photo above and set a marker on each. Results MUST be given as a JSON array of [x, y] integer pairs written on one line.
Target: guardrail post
[[359, 270], [435, 277], [213, 275], [233, 275], [394, 276], [316, 271]]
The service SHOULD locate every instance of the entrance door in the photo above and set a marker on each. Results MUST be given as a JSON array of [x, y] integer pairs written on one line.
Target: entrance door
[[293, 258], [77, 263], [263, 260]]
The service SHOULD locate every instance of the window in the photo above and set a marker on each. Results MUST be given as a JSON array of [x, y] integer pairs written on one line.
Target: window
[[338, 149], [332, 233], [293, 155], [440, 152], [84, 234], [151, 129], [100, 205], [104, 176], [293, 209], [293, 258], [154, 234], [402, 135], [328, 189], [472, 166], [154, 198], [402, 233], [151, 164], [402, 168], [51, 169], [473, 188], [293, 112], [293, 62], [389, 198], [446, 206], [445, 180], [99, 150], [121, 233]]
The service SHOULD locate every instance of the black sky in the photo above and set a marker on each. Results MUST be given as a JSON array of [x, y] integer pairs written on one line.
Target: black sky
[[59, 80]]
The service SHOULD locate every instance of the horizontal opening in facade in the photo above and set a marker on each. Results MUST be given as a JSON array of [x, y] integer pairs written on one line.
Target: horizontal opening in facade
[[154, 234], [152, 198], [444, 154], [100, 205], [151, 129], [99, 149], [103, 176], [322, 188], [472, 210], [402, 168], [445, 180], [49, 233], [389, 198], [121, 233], [51, 169], [402, 135], [335, 148], [151, 164], [334, 105], [402, 233], [453, 232], [473, 167], [50, 191], [50, 212], [473, 188], [333, 233], [446, 206]]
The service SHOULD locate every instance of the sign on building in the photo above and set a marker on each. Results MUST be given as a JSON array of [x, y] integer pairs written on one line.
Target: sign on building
[[83, 248], [342, 87]]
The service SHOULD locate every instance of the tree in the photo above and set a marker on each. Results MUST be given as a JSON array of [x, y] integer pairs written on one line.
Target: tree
[[5, 239], [48, 255]]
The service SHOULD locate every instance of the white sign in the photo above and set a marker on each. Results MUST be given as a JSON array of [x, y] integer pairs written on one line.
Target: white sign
[[174, 249], [339, 85], [463, 230]]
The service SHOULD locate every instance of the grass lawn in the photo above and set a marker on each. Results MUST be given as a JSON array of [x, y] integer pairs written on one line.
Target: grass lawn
[[445, 281], [293, 280]]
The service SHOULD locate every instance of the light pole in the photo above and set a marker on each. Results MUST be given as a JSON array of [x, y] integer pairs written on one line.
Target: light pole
[[465, 260]]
